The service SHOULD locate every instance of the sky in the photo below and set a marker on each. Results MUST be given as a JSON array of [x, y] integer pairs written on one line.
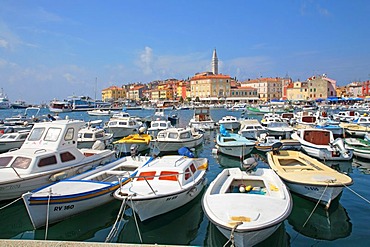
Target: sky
[[55, 49]]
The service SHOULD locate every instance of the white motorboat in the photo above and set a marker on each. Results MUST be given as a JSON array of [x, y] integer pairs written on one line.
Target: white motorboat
[[346, 116], [101, 112], [58, 106], [134, 143], [158, 125], [265, 143], [282, 129], [48, 154], [320, 143], [202, 119], [233, 144], [361, 147], [247, 207], [165, 184], [307, 176], [23, 121], [11, 141], [251, 129], [362, 120], [122, 124], [229, 122], [85, 191], [91, 133], [172, 139]]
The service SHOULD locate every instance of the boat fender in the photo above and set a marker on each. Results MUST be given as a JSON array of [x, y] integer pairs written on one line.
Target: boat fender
[[58, 176], [248, 188], [241, 188], [193, 191]]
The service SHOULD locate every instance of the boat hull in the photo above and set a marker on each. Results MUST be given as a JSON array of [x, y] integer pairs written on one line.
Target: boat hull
[[235, 151], [325, 153], [162, 204], [125, 148], [324, 194], [249, 238], [62, 210], [14, 189], [172, 146]]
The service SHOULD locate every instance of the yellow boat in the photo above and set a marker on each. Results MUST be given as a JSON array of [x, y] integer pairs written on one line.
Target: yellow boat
[[307, 176], [355, 129], [133, 143]]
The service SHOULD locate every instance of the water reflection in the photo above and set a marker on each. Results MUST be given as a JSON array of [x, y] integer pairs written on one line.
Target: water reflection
[[83, 226], [362, 164], [178, 227], [323, 224], [14, 220], [215, 238]]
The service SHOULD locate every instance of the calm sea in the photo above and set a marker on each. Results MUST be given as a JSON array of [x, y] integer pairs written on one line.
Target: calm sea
[[346, 223]]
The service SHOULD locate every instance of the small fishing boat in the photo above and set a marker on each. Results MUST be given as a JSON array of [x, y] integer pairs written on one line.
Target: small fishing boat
[[11, 141], [247, 206], [122, 124], [133, 143], [172, 139], [233, 144], [101, 112], [202, 119], [165, 184], [91, 133], [307, 176], [355, 130], [48, 154], [320, 143], [282, 129], [361, 147], [157, 125], [251, 129], [229, 122], [85, 191], [265, 143]]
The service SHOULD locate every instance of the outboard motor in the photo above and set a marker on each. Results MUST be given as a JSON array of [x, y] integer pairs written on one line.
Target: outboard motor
[[134, 150], [338, 145], [249, 164], [276, 147], [142, 130]]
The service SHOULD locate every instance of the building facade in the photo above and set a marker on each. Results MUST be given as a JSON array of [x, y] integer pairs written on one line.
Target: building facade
[[210, 86], [297, 91], [268, 88], [113, 93]]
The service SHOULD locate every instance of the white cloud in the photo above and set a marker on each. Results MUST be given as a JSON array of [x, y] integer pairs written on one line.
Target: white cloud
[[4, 43], [146, 60]]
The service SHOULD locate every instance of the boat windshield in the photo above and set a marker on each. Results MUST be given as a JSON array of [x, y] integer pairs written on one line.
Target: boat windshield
[[278, 125], [36, 134]]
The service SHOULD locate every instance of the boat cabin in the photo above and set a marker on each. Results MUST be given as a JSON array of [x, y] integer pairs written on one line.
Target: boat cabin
[[318, 137]]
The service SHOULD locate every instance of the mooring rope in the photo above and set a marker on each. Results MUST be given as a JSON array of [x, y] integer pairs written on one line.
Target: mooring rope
[[231, 239], [7, 205], [357, 194], [136, 223], [47, 216], [313, 210], [114, 230]]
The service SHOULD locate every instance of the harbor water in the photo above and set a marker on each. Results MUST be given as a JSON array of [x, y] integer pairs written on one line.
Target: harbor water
[[346, 223]]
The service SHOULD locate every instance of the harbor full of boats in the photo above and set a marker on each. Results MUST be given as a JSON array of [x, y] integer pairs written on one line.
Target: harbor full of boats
[[238, 175]]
